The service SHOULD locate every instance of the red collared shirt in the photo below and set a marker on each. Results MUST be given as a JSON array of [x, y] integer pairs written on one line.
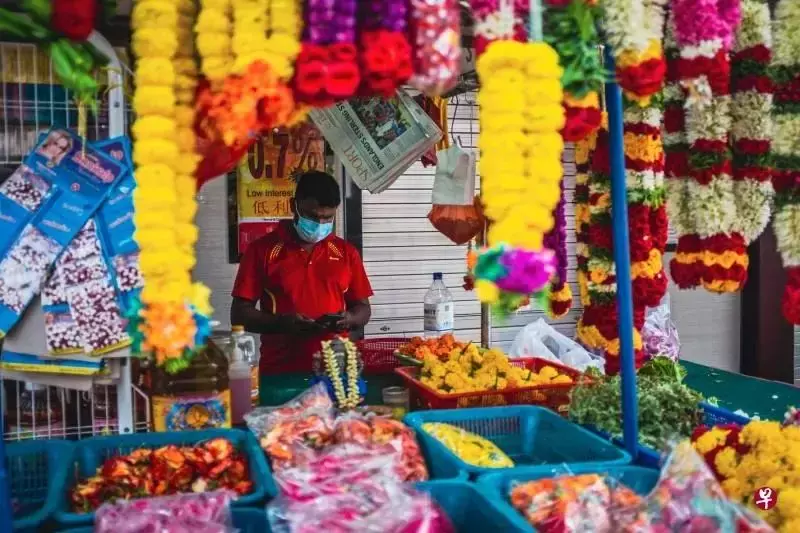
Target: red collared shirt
[[285, 279]]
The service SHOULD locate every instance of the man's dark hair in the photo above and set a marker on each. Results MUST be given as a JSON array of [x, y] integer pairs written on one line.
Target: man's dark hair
[[320, 186]]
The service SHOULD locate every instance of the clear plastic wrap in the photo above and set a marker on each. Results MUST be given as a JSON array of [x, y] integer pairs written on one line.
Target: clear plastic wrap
[[435, 29], [469, 447], [686, 499], [659, 334], [376, 504], [185, 513]]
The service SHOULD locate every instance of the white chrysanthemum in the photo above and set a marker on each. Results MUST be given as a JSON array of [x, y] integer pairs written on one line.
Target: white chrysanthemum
[[750, 113], [786, 135], [677, 206], [786, 34], [704, 49], [643, 180], [787, 233], [712, 122], [622, 20], [754, 28], [673, 92], [649, 115], [753, 207], [712, 207], [654, 14]]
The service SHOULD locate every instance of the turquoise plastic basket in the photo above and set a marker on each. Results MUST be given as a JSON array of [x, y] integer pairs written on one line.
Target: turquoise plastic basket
[[468, 508], [93, 452], [37, 472], [497, 486], [244, 520], [531, 436]]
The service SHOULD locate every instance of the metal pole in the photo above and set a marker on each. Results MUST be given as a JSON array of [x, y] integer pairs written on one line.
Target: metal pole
[[5, 491], [622, 261]]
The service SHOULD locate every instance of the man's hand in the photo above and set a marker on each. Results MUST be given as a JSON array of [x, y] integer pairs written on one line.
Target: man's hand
[[302, 325], [347, 322]]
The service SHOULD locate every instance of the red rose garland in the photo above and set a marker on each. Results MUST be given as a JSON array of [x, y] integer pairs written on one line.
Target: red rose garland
[[385, 52], [73, 18]]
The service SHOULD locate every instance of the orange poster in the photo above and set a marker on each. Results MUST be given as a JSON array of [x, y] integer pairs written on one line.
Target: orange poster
[[266, 177]]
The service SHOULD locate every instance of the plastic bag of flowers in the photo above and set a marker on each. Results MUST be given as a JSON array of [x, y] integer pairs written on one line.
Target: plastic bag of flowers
[[686, 498], [184, 513]]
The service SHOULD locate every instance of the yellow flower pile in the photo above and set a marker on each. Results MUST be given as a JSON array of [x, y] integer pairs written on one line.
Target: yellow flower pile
[[475, 370], [469, 447], [521, 116], [164, 154], [213, 28], [773, 460]]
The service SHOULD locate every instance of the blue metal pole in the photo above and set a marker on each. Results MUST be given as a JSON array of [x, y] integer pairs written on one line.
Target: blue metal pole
[[622, 261]]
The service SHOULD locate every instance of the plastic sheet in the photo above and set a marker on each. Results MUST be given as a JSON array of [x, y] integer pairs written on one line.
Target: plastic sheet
[[540, 339], [659, 334], [185, 513], [469, 447]]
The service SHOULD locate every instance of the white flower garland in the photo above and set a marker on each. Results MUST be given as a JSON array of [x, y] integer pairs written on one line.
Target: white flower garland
[[351, 398]]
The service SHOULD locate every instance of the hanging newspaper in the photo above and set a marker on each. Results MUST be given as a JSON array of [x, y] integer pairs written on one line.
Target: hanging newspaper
[[377, 139]]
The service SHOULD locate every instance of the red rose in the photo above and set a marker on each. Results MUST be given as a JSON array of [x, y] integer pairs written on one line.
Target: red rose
[[580, 122], [676, 164], [73, 18], [752, 147], [659, 228], [644, 79], [673, 119], [685, 275], [759, 53], [600, 236], [762, 84], [785, 180], [752, 173]]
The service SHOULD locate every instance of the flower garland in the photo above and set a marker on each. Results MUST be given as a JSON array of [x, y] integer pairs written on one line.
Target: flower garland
[[786, 150], [761, 454], [583, 155], [520, 160], [570, 28], [327, 68], [634, 30], [751, 107], [598, 327], [257, 96], [559, 297], [350, 398], [171, 319], [384, 49], [213, 33], [713, 255]]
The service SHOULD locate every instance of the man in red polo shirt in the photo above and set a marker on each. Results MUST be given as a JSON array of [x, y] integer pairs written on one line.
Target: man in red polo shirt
[[297, 275]]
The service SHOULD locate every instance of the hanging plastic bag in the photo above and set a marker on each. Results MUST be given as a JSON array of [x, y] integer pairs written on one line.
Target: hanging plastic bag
[[456, 212], [183, 513], [659, 334], [540, 339]]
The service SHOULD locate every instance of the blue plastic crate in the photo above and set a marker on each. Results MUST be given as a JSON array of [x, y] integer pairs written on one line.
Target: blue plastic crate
[[531, 436], [497, 486], [469, 509], [37, 472], [93, 452]]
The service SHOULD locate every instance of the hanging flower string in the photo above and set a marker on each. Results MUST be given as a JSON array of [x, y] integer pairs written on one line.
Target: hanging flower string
[[327, 68], [559, 297], [213, 29], [751, 111], [171, 320], [520, 113], [714, 254], [583, 154], [786, 149], [598, 327], [347, 395], [384, 49]]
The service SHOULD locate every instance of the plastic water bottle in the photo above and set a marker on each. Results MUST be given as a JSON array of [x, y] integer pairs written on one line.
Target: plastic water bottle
[[247, 343], [240, 374], [439, 309]]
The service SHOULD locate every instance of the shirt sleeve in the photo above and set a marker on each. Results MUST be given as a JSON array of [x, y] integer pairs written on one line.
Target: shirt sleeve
[[249, 284], [360, 288]]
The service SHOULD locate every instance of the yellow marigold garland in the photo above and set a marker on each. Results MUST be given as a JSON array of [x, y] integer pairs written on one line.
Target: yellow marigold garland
[[520, 167], [172, 318], [213, 30]]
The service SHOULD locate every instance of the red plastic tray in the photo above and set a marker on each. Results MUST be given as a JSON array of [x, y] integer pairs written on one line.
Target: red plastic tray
[[555, 397], [379, 354]]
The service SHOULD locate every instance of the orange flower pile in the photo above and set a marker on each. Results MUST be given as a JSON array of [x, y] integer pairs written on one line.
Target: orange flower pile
[[441, 347], [168, 470]]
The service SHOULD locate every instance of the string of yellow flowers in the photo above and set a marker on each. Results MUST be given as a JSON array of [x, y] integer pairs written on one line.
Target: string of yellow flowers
[[520, 167], [172, 317], [213, 30]]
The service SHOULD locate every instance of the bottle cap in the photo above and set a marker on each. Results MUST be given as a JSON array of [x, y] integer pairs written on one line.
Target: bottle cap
[[237, 329], [437, 276]]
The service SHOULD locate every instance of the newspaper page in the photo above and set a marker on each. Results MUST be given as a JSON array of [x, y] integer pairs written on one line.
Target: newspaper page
[[377, 139]]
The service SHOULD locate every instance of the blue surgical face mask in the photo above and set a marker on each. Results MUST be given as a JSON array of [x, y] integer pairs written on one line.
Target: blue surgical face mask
[[312, 231]]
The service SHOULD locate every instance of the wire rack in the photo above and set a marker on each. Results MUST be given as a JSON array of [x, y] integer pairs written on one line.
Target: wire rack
[[32, 101]]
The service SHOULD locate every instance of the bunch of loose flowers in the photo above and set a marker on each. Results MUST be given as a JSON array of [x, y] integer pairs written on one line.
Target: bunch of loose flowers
[[761, 454], [170, 322], [521, 115], [786, 149]]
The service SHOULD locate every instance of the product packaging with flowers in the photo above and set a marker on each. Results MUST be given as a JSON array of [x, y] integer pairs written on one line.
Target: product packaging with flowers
[[46, 202]]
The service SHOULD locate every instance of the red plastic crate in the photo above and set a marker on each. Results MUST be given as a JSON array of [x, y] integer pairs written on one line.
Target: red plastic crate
[[379, 354], [555, 397]]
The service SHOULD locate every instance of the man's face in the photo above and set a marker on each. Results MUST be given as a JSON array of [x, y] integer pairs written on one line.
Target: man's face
[[309, 208]]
